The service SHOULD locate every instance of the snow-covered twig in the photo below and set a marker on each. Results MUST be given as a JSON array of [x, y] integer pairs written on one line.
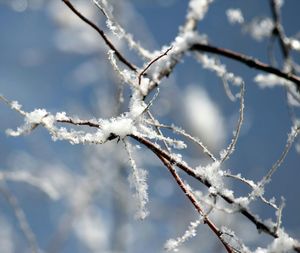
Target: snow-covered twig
[[137, 180], [182, 132], [119, 31], [191, 197], [267, 178], [229, 198], [101, 33], [231, 147], [173, 244], [247, 60]]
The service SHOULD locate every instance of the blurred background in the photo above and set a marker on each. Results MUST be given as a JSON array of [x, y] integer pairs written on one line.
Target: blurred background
[[77, 198]]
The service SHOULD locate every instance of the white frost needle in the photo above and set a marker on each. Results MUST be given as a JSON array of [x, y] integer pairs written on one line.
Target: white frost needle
[[231, 147], [173, 244], [182, 132], [137, 180], [291, 138]]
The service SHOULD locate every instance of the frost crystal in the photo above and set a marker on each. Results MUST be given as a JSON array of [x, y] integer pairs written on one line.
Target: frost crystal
[[268, 80], [260, 28], [61, 116], [121, 127], [198, 8], [233, 241], [15, 105], [282, 244], [137, 180], [235, 16], [295, 44], [32, 119], [173, 244], [36, 116], [220, 69], [212, 173]]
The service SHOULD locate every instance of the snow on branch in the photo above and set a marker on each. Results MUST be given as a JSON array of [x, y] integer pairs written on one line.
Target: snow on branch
[[226, 194], [198, 9], [173, 244], [119, 31], [182, 132], [108, 129], [267, 178], [247, 60], [101, 33], [283, 243], [137, 180], [230, 149]]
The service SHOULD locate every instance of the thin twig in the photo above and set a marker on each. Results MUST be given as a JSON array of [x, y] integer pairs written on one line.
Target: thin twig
[[227, 90], [232, 144], [195, 203], [102, 34], [120, 32], [151, 62], [247, 60], [252, 185], [278, 29], [290, 141], [261, 226], [186, 135], [158, 130]]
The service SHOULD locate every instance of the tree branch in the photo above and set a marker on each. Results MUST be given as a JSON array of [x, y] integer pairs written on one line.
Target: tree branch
[[195, 203], [247, 60], [102, 34], [278, 29], [262, 227]]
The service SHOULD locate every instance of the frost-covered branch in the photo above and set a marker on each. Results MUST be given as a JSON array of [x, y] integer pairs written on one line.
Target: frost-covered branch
[[225, 194], [119, 31], [267, 178], [231, 147], [191, 197], [101, 33], [247, 60], [137, 180]]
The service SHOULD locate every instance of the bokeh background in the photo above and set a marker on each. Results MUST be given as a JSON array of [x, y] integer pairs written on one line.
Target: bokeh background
[[77, 198]]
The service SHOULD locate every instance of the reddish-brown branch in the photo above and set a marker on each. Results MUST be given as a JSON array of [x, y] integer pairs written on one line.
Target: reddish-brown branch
[[80, 123], [151, 62], [261, 227], [160, 152], [278, 29], [195, 203], [249, 61], [166, 156], [102, 34]]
